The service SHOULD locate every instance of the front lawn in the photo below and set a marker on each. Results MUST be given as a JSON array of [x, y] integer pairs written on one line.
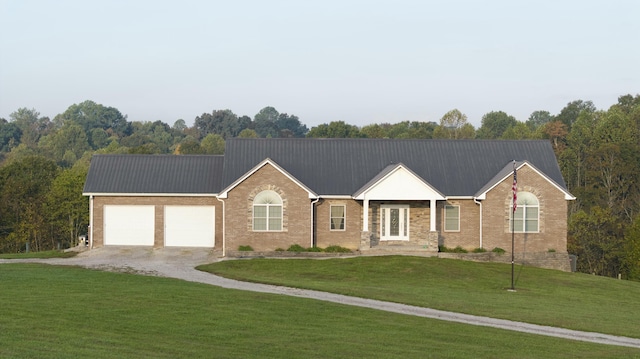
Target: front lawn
[[69, 312], [548, 297]]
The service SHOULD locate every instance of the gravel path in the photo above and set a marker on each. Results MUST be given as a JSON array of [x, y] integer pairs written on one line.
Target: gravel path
[[180, 263]]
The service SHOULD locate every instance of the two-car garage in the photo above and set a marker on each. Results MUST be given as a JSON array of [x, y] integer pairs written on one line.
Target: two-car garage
[[181, 225]]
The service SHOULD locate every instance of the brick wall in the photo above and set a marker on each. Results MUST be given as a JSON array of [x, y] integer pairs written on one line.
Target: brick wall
[[468, 237], [350, 236], [552, 220], [159, 203], [296, 216]]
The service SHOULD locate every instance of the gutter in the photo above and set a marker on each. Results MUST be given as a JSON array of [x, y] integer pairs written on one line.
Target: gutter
[[475, 200], [90, 222], [224, 231], [311, 226]]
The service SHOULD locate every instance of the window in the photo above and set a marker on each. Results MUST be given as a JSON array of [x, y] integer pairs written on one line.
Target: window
[[267, 211], [526, 217], [337, 217], [451, 218]]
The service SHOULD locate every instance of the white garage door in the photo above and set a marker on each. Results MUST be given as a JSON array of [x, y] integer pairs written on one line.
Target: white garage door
[[129, 225], [189, 226]]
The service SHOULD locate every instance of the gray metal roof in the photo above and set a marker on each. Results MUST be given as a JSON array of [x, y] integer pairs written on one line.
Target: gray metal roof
[[155, 174], [342, 166]]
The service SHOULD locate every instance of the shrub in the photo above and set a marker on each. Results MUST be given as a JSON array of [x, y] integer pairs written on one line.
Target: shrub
[[479, 250], [498, 250], [337, 249], [314, 249], [551, 250], [279, 249], [459, 249], [296, 248], [245, 249]]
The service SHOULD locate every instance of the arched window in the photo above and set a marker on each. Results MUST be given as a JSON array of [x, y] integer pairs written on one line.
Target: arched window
[[527, 214], [267, 211]]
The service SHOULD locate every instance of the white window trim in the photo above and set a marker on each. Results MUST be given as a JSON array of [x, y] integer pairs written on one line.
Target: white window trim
[[524, 216], [344, 218], [267, 207], [444, 218]]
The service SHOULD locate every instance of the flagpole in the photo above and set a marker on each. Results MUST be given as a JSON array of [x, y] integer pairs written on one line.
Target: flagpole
[[514, 189]]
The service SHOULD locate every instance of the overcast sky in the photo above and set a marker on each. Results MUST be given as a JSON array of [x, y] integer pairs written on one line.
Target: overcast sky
[[361, 62]]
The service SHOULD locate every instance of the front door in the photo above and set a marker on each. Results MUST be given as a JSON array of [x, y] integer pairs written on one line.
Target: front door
[[394, 222]]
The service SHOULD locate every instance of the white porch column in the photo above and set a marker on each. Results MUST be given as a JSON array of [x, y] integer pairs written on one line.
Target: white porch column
[[365, 215], [432, 215]]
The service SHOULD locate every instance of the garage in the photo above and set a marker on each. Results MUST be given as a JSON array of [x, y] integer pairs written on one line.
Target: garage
[[129, 225], [189, 226]]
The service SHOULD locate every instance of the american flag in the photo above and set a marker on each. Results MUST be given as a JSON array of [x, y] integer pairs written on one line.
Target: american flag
[[514, 188]]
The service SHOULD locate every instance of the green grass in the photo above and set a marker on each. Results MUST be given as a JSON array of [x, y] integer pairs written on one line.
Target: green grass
[[43, 254], [70, 312], [568, 300]]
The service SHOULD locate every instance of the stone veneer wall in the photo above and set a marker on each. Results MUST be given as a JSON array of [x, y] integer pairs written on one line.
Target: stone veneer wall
[[419, 223], [296, 213], [549, 260], [159, 202]]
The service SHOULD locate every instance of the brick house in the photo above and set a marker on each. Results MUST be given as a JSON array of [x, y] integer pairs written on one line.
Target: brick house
[[363, 194]]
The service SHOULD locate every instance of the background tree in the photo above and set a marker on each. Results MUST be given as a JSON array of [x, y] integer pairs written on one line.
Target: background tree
[[569, 114], [66, 207], [212, 144], [248, 133], [222, 122], [24, 185], [556, 132], [632, 250], [596, 238], [65, 145], [189, 146], [335, 129], [10, 135], [376, 130], [31, 125], [290, 126], [264, 122], [494, 124], [179, 125], [451, 125], [519, 131], [90, 115], [538, 119]]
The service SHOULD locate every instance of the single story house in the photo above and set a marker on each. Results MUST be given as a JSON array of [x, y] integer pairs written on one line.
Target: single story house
[[363, 194]]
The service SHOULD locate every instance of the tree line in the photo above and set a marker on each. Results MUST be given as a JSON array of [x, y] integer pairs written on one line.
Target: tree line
[[43, 165]]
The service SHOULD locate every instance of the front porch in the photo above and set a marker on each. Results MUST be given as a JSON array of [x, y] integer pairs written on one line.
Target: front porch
[[399, 212]]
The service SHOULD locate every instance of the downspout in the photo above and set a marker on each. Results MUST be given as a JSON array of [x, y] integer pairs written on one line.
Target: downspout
[[90, 221], [480, 204], [224, 231], [311, 226]]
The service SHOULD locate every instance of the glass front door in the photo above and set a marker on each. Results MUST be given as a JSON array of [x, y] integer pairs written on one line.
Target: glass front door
[[394, 222]]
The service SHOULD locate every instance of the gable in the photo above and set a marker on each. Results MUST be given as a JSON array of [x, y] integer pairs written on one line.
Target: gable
[[266, 162], [397, 182], [507, 172]]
